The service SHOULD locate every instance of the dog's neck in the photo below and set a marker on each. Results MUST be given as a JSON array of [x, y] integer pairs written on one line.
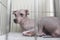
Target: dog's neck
[[24, 20]]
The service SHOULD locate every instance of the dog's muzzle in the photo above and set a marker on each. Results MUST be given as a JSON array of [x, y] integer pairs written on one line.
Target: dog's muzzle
[[15, 20]]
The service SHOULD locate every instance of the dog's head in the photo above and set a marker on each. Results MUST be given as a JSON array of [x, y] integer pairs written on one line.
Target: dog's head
[[20, 15]]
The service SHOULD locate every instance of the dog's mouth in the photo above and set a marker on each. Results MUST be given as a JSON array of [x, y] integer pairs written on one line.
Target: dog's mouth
[[15, 21]]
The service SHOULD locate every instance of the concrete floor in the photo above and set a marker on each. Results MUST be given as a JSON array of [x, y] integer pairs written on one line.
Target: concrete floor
[[19, 36]]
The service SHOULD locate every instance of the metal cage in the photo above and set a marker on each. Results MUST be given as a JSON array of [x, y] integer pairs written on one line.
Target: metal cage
[[37, 8]]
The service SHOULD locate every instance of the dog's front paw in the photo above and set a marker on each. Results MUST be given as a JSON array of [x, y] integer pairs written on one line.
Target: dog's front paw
[[28, 33], [41, 34]]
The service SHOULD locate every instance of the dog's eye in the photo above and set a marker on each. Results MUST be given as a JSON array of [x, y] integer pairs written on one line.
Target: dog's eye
[[21, 14], [15, 15]]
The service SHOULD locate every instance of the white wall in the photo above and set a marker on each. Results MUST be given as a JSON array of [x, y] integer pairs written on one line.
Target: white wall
[[44, 8]]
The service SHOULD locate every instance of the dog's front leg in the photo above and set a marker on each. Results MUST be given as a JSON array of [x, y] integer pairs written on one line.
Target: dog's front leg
[[29, 33], [40, 30]]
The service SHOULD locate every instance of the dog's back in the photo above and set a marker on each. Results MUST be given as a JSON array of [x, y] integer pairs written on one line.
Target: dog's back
[[50, 24]]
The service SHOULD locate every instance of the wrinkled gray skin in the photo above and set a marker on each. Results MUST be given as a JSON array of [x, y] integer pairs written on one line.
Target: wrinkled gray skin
[[51, 24]]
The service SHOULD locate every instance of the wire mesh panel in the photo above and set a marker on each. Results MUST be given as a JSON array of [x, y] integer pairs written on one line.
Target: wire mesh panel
[[24, 19], [3, 19]]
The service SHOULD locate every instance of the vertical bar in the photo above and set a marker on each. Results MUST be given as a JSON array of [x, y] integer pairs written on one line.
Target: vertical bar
[[45, 10], [42, 7], [58, 9], [9, 5], [35, 16], [10, 14], [54, 8], [49, 9]]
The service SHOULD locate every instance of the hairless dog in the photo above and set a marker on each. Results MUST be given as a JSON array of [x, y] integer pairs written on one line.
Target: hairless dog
[[50, 25]]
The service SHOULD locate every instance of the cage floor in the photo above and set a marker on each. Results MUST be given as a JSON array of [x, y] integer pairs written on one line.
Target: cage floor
[[19, 36]]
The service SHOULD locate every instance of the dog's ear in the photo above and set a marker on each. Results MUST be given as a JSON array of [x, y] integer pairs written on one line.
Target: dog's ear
[[14, 12], [27, 12]]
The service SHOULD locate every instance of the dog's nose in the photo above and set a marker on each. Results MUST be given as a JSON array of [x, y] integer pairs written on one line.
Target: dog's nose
[[15, 20]]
